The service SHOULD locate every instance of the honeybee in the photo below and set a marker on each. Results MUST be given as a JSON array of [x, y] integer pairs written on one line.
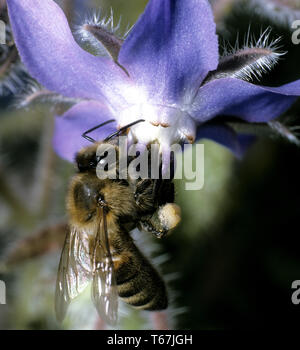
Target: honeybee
[[98, 247]]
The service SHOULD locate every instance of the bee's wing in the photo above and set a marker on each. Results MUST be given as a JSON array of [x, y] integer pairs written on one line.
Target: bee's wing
[[74, 271], [104, 289]]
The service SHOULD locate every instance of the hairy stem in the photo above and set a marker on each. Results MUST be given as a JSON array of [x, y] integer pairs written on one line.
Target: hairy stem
[[20, 212], [46, 240], [44, 171]]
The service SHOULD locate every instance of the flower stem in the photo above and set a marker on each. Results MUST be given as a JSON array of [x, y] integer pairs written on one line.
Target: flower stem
[[8, 195], [44, 171]]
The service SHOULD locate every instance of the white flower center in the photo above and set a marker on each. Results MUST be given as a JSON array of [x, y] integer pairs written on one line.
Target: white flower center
[[163, 124]]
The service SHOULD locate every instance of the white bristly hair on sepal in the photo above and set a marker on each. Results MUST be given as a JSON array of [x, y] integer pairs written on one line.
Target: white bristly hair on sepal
[[101, 35], [34, 94], [252, 61]]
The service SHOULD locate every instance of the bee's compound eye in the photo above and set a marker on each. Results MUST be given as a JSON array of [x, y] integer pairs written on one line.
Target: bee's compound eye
[[80, 166]]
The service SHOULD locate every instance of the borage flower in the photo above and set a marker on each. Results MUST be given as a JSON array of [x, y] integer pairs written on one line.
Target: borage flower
[[167, 72]]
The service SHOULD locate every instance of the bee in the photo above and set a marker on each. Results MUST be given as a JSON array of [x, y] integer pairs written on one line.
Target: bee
[[98, 247]]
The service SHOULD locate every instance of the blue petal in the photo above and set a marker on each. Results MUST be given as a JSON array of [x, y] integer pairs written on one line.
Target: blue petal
[[52, 57], [171, 48], [247, 101], [67, 140], [227, 137]]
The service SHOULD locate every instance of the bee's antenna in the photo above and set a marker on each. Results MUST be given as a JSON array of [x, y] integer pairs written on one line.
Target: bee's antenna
[[124, 128], [94, 128]]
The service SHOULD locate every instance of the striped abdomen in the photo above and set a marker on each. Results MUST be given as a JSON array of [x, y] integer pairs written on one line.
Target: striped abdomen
[[139, 284]]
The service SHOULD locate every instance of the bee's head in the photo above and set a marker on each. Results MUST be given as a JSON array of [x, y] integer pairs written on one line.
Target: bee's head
[[88, 158]]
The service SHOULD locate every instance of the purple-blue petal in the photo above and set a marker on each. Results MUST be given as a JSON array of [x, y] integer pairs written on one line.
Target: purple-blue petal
[[68, 140], [171, 48], [247, 101], [245, 141], [53, 58], [225, 136]]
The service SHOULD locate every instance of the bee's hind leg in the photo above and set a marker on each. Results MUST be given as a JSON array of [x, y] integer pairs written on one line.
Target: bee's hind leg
[[164, 219]]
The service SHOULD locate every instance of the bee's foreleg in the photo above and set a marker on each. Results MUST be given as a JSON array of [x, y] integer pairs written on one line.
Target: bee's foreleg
[[145, 194]]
